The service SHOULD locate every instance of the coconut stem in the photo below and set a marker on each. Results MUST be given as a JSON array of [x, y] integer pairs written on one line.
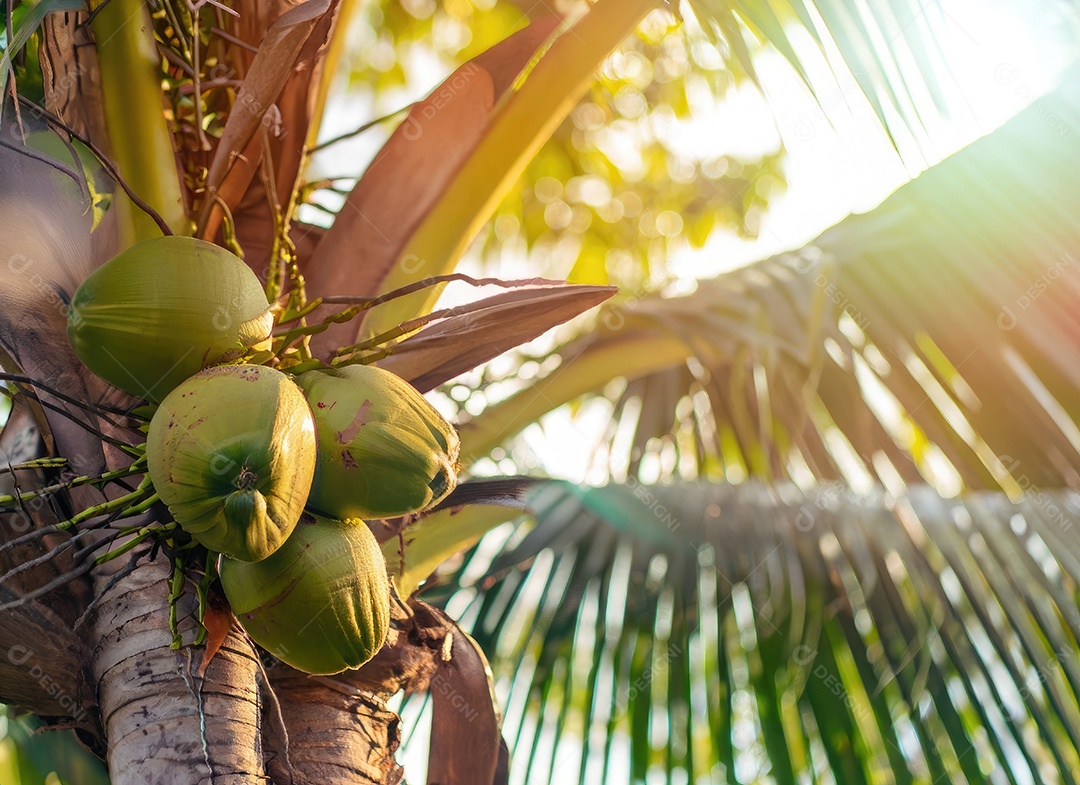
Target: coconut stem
[[202, 591], [139, 535], [228, 228], [137, 467], [382, 338], [176, 591], [142, 146], [121, 503], [142, 506], [37, 463], [360, 304], [292, 316]]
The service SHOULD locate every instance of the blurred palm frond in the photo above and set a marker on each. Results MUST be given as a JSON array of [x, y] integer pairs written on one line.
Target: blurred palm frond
[[932, 339], [794, 628], [700, 632]]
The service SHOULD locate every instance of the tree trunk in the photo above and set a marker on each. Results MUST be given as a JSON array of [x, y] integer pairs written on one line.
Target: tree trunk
[[167, 716], [337, 733], [167, 721]]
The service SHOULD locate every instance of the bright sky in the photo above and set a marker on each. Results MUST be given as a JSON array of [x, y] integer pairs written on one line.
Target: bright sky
[[839, 159]]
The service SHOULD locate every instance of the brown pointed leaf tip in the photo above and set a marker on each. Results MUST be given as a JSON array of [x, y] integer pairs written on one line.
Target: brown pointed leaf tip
[[472, 334], [218, 622]]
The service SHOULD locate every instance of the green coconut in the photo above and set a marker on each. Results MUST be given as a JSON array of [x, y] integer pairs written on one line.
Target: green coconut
[[384, 450], [164, 309], [231, 451], [321, 602]]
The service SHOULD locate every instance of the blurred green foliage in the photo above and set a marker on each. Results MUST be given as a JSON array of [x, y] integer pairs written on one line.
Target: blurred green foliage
[[32, 756], [24, 62], [390, 39], [623, 184]]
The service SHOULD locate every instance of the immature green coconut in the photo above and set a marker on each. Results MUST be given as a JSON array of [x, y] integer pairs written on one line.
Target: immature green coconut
[[384, 450], [162, 310], [321, 602], [231, 451]]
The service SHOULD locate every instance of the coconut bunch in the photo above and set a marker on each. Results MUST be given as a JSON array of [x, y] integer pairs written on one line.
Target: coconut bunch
[[274, 470]]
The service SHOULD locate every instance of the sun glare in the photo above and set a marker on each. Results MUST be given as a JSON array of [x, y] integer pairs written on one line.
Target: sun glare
[[992, 64]]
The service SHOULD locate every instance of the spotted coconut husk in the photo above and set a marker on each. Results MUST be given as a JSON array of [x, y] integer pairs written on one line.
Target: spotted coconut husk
[[384, 450], [321, 602], [231, 451]]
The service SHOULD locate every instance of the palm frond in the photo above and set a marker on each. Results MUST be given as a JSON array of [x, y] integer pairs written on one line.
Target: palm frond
[[933, 339], [702, 632], [790, 629], [384, 207], [524, 118]]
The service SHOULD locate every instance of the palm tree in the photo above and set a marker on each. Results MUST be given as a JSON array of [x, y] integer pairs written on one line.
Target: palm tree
[[778, 624]]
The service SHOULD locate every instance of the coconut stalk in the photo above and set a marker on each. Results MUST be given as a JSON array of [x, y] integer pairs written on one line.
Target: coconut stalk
[[140, 143], [158, 717], [165, 716]]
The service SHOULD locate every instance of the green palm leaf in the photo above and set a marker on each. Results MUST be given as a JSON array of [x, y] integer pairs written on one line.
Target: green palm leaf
[[746, 634], [897, 52]]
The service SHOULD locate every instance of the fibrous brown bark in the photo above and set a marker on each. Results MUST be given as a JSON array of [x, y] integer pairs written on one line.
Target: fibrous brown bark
[[336, 733], [40, 661], [70, 75]]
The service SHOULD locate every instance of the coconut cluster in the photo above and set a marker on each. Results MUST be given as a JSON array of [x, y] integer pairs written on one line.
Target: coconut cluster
[[275, 472]]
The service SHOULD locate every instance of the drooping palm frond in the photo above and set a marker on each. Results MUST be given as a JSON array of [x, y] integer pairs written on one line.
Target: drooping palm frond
[[933, 339], [702, 632]]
